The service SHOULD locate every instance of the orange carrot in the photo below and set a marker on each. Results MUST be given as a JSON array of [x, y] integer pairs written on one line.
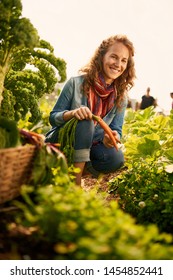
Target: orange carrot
[[108, 130]]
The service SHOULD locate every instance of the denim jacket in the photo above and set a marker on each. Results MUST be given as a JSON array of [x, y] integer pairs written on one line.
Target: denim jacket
[[71, 97]]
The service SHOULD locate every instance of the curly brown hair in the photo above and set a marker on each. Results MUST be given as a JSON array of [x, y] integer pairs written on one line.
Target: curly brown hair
[[91, 70]]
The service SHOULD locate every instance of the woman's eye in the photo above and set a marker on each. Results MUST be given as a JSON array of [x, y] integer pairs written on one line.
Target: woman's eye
[[124, 61], [114, 57]]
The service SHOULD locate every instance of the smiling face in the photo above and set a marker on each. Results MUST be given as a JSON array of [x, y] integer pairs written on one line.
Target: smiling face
[[115, 62]]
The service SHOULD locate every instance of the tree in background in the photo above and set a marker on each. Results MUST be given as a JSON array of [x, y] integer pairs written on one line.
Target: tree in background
[[21, 86]]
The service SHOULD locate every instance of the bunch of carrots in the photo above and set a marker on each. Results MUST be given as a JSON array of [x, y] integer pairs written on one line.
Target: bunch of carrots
[[66, 137], [67, 133]]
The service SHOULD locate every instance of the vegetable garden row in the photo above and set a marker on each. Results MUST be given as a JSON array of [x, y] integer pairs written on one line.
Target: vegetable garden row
[[80, 224]]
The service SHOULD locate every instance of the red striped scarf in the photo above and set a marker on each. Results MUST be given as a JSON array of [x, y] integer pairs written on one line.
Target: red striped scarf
[[101, 99]]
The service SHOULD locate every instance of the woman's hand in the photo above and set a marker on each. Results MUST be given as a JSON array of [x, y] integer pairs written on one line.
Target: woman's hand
[[82, 113], [107, 141]]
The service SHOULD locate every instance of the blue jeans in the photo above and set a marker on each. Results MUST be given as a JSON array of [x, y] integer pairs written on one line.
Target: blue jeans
[[99, 158]]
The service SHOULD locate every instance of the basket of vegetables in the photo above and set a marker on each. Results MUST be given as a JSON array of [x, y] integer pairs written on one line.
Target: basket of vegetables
[[15, 170], [25, 158], [16, 158]]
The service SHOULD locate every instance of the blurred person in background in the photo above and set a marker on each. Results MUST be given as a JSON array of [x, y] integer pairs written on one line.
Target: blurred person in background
[[147, 100], [171, 95]]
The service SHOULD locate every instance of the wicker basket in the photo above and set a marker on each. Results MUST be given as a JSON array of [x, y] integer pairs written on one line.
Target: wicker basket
[[15, 170]]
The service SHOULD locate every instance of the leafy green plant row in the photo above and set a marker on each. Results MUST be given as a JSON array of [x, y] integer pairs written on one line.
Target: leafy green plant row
[[146, 188], [147, 134], [81, 224]]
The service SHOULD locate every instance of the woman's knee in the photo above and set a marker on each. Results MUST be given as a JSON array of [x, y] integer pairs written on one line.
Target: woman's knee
[[85, 126], [114, 160], [107, 160], [117, 160], [84, 134]]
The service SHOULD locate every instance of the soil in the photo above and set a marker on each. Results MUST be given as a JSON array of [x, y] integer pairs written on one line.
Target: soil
[[18, 242]]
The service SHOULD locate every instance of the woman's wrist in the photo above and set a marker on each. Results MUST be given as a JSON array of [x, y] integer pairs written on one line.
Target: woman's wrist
[[68, 115]]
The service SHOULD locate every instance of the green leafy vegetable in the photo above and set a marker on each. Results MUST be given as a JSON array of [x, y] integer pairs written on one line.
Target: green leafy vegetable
[[66, 139], [9, 133]]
